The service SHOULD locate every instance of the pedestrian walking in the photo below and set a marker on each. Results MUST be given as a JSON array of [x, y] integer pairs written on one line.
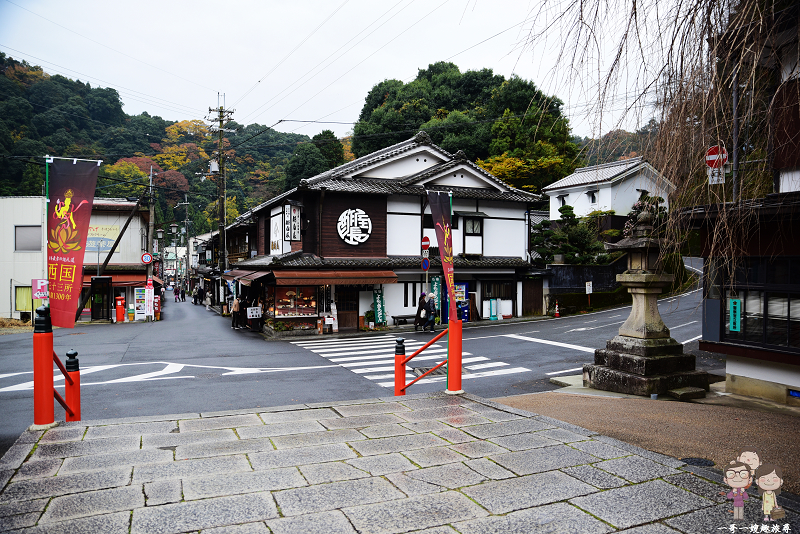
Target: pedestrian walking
[[183, 294], [176, 293], [235, 314], [420, 318], [430, 313], [194, 296]]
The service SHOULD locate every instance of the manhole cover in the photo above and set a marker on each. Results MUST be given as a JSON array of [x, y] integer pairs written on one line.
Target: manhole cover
[[699, 462], [441, 371]]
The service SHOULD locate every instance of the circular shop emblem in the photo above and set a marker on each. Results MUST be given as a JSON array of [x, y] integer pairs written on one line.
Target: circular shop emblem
[[354, 226]]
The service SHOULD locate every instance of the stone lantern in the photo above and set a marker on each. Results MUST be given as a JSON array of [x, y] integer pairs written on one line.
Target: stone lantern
[[643, 359]]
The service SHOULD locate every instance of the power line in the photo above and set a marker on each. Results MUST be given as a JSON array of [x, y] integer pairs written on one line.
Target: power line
[[106, 46], [331, 55], [372, 54], [321, 24]]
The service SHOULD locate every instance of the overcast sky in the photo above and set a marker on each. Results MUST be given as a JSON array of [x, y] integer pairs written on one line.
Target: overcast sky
[[301, 60]]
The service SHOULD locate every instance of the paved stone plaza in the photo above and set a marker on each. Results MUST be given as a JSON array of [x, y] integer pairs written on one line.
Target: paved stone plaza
[[428, 463]]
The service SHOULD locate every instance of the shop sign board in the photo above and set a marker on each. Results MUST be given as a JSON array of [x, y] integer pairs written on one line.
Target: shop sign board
[[735, 315], [149, 295], [588, 288], [101, 237], [291, 223], [254, 312], [354, 226], [436, 291], [380, 306], [335, 315]]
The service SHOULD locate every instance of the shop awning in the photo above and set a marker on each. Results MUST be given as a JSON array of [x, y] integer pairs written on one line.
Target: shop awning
[[234, 274], [248, 278], [473, 214], [318, 278]]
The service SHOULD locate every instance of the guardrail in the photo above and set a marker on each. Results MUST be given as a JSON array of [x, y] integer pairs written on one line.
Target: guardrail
[[43, 382], [453, 360]]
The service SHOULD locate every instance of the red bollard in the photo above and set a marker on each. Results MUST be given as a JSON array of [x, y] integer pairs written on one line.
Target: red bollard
[[72, 392], [43, 411], [454, 358], [399, 368]]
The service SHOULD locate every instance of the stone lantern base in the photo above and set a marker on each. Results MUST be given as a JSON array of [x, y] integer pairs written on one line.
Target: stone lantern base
[[642, 367]]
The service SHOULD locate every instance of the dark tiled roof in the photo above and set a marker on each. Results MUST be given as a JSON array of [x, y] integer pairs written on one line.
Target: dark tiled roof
[[296, 260], [379, 186]]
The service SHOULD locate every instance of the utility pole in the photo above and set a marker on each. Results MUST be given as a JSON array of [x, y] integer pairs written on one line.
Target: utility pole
[[222, 258], [150, 225]]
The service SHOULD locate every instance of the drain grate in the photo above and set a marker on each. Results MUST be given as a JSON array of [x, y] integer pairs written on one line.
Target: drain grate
[[441, 371], [699, 462]]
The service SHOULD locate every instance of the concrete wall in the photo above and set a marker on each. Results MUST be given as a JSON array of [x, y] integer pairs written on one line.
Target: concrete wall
[[18, 268], [759, 378]]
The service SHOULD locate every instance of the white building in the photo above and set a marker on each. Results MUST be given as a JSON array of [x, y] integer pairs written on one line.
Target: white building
[[22, 238], [610, 186], [22, 235]]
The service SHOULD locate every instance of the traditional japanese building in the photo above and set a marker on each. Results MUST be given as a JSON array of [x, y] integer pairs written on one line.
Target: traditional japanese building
[[343, 235]]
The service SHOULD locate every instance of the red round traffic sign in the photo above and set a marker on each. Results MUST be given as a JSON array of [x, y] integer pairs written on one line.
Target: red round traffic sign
[[426, 264], [147, 258], [425, 243], [716, 157]]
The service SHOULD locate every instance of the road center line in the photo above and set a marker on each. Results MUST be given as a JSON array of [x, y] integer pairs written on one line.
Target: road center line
[[548, 342], [695, 338]]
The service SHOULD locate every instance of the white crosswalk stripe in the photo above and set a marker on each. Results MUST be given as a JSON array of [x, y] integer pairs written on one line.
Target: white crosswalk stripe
[[373, 358]]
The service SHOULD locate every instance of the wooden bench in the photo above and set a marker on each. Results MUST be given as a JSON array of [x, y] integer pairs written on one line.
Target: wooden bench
[[404, 318]]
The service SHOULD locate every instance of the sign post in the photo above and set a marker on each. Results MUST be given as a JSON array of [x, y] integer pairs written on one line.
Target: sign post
[[716, 158], [589, 293]]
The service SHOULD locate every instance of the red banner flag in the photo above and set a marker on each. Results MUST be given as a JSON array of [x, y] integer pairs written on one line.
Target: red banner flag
[[72, 185], [440, 211]]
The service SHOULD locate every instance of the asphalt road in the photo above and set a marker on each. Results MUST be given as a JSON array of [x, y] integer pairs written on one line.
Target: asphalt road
[[192, 361]]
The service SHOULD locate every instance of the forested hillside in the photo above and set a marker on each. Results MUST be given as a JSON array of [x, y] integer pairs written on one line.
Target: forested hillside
[[507, 126], [42, 114]]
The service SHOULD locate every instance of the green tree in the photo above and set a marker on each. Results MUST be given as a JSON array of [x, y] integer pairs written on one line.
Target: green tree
[[330, 147], [307, 161]]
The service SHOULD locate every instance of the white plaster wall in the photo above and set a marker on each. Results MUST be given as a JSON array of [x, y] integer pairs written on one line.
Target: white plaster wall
[[460, 177], [402, 235], [779, 373], [406, 166], [491, 208], [364, 302], [790, 181], [463, 204], [393, 295], [458, 240], [503, 238], [474, 244], [403, 204], [624, 194], [18, 268]]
